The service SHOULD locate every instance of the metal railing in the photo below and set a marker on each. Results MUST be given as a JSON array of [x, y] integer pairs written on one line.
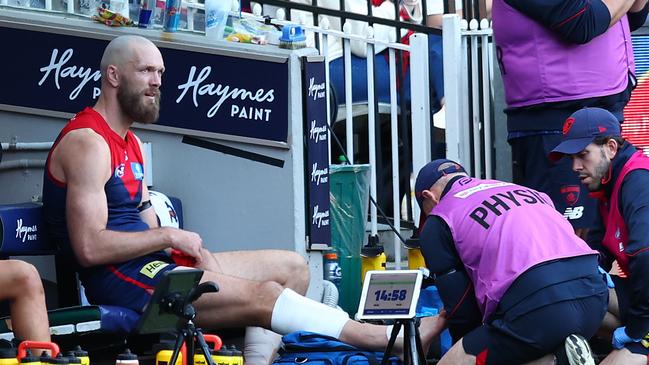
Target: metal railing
[[468, 89], [419, 115]]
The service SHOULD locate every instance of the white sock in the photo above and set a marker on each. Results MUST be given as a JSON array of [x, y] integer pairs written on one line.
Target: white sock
[[294, 312], [260, 346]]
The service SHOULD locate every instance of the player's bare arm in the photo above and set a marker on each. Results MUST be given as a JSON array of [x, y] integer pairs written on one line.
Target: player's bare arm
[[82, 161]]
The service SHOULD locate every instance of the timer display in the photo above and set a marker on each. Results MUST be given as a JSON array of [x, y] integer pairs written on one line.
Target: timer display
[[386, 295], [390, 294]]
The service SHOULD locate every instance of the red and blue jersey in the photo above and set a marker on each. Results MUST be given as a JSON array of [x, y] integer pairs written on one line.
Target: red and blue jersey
[[130, 283], [123, 189]]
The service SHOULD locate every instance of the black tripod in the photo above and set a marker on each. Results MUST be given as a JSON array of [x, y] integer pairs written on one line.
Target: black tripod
[[189, 334], [413, 352]]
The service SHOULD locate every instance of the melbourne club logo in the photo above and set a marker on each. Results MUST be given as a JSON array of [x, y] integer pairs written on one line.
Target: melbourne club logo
[[570, 193], [567, 125]]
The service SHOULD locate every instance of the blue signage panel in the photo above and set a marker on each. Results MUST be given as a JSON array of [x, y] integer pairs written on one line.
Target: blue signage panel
[[22, 230], [200, 91], [317, 149]]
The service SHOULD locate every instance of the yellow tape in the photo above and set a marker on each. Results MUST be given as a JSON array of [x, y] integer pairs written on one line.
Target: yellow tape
[[152, 268]]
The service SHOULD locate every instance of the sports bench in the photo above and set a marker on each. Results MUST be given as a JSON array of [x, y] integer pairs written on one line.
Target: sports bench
[[23, 233]]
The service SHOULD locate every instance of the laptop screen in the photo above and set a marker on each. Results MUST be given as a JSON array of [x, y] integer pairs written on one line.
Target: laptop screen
[[390, 294]]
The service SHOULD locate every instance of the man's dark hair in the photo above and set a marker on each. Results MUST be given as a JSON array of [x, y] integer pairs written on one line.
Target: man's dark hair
[[601, 140]]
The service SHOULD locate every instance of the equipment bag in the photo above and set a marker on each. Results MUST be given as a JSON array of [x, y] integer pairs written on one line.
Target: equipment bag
[[304, 347]]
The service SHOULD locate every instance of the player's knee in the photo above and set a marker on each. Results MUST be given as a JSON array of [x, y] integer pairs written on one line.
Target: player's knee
[[294, 271], [262, 300], [27, 278], [297, 266], [266, 294]]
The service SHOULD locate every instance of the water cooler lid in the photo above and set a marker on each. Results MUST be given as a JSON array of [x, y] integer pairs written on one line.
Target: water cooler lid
[[369, 251]]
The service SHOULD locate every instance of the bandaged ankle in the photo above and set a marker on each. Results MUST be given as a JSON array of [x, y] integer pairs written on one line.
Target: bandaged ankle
[[293, 312]]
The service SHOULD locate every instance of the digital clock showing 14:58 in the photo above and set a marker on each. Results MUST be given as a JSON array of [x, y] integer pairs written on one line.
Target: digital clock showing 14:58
[[387, 295]]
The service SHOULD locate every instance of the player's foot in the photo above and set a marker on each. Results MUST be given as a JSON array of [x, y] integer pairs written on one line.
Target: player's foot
[[578, 351], [431, 327]]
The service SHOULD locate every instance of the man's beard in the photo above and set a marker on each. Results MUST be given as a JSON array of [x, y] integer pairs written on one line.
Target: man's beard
[[601, 171], [135, 104]]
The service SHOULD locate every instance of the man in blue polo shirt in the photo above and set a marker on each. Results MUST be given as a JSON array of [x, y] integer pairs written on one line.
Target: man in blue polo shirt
[[617, 174]]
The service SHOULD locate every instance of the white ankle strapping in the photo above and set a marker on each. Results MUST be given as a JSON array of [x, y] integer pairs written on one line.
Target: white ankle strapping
[[293, 312]]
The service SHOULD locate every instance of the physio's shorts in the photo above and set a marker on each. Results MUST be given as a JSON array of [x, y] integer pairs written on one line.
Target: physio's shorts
[[532, 168], [517, 339], [623, 290], [129, 284]]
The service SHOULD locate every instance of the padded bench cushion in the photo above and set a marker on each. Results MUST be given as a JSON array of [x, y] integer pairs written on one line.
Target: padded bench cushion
[[89, 318]]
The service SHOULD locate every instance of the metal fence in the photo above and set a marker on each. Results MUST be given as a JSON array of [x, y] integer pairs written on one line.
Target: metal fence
[[468, 80], [415, 112], [468, 85]]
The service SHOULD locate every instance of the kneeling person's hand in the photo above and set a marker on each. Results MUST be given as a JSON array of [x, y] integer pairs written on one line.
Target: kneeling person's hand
[[620, 338]]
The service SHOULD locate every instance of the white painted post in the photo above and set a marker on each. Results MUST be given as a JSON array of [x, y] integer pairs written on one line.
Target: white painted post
[[486, 97], [394, 142], [371, 131], [465, 136], [451, 46], [324, 45], [420, 105], [349, 126], [475, 100]]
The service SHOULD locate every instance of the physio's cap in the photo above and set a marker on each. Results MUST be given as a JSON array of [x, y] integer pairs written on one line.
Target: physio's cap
[[432, 172]]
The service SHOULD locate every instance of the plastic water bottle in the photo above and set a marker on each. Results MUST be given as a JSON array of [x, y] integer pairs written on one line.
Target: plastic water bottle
[[216, 16], [332, 270], [121, 7]]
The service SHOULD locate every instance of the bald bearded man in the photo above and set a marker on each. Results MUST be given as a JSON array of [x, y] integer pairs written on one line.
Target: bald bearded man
[[97, 206]]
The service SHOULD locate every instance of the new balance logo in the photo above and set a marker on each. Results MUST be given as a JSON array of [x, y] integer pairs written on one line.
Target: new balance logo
[[573, 212]]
